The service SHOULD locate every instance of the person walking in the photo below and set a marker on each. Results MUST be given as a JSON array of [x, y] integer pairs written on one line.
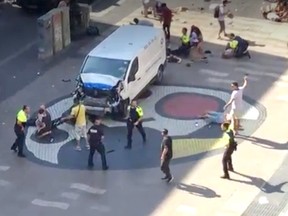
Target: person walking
[[166, 155], [19, 129], [78, 115], [166, 19], [230, 147], [236, 103], [134, 120], [95, 137], [220, 13]]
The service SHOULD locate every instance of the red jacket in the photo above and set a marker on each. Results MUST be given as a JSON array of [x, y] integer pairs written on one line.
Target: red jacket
[[166, 16]]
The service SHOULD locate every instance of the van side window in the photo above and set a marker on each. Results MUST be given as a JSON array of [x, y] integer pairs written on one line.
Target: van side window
[[134, 67]]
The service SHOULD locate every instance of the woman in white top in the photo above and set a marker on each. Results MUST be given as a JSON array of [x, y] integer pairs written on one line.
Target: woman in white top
[[196, 41]]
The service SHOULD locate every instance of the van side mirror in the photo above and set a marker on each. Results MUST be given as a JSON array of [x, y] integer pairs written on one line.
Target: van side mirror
[[131, 78]]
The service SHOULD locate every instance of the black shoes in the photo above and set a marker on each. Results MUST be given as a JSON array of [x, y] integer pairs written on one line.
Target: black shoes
[[13, 149], [127, 147], [170, 179], [225, 177], [165, 178], [105, 168]]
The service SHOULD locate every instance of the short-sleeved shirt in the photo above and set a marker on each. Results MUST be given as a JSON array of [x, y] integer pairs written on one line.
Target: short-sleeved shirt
[[167, 143], [81, 117], [95, 133], [221, 12], [237, 97]]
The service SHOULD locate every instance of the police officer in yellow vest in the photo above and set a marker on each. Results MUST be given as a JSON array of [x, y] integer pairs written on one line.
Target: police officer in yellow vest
[[231, 146], [184, 49], [19, 129], [134, 119]]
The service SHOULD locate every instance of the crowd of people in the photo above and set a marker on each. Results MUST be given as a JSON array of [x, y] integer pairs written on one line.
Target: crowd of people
[[276, 11]]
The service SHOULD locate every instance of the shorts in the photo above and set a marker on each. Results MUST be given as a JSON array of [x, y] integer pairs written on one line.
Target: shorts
[[222, 25], [236, 113], [80, 131]]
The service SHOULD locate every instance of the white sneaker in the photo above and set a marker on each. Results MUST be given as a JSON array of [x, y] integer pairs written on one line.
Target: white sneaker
[[88, 146], [78, 148]]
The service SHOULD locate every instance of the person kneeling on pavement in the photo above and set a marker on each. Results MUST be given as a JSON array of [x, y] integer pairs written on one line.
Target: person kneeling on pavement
[[184, 49], [237, 47], [44, 124]]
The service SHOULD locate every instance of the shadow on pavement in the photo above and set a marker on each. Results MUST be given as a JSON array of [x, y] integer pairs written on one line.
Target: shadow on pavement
[[100, 5], [198, 190], [261, 184], [265, 143]]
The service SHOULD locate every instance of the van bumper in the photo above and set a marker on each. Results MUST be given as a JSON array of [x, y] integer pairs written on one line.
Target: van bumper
[[96, 105]]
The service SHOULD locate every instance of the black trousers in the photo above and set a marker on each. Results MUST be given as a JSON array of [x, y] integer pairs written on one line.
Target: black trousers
[[100, 148], [165, 167], [166, 28], [19, 142], [130, 127], [227, 161]]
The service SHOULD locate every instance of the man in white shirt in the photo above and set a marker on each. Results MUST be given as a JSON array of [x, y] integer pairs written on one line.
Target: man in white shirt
[[236, 102], [221, 17]]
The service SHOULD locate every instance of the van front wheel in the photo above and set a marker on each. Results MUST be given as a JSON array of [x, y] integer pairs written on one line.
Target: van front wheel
[[160, 75]]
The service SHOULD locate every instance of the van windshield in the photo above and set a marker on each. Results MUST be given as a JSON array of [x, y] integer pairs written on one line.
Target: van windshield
[[113, 67]]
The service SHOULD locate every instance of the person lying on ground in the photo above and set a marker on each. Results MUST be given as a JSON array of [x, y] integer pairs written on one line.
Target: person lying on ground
[[142, 22], [172, 58], [277, 14], [212, 117]]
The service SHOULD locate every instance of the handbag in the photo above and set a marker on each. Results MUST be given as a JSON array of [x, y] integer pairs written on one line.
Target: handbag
[[73, 121]]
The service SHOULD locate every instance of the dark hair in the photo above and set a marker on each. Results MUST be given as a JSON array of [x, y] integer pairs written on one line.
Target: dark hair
[[165, 131], [24, 107], [196, 30], [41, 111], [95, 118], [235, 84], [232, 35], [76, 101], [226, 125], [136, 20], [163, 5], [184, 29]]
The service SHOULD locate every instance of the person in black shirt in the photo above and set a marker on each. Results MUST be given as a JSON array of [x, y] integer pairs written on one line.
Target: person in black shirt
[[134, 119], [166, 155], [95, 138]]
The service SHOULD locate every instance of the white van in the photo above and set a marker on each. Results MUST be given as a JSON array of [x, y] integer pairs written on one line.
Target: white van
[[121, 67]]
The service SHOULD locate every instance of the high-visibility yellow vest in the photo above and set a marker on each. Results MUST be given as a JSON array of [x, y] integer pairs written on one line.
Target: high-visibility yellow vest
[[185, 39], [139, 111], [21, 116], [233, 44]]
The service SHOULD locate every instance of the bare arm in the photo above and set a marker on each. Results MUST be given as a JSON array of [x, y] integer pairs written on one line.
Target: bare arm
[[164, 153], [245, 82]]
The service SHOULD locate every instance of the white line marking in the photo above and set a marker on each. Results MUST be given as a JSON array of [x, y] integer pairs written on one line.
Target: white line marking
[[16, 54], [100, 208], [263, 200], [87, 188], [4, 168], [213, 73], [4, 183], [107, 10], [186, 210], [70, 195], [44, 203]]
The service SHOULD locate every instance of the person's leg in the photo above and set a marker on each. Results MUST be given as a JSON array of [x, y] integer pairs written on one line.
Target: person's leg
[[165, 169], [101, 150], [165, 30], [84, 135], [145, 11], [168, 32], [78, 137], [130, 127], [225, 165], [229, 162], [20, 146], [90, 158], [142, 131]]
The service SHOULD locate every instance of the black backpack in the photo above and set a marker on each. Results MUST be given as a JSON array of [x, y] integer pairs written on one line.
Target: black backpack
[[217, 12]]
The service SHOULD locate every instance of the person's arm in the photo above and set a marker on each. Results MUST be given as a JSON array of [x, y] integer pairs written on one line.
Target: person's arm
[[164, 152], [71, 116], [245, 82], [140, 113], [230, 101]]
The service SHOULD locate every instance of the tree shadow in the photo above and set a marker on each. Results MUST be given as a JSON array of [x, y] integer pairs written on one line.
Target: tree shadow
[[264, 186], [198, 190], [264, 143]]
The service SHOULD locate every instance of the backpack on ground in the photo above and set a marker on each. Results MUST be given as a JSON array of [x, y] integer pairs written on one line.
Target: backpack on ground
[[217, 11]]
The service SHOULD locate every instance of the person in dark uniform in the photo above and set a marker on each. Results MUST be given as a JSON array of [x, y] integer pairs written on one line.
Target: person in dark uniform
[[134, 119], [19, 129], [231, 146], [95, 138], [166, 155]]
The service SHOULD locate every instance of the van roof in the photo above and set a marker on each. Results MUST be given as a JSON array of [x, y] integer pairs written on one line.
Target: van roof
[[125, 42]]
